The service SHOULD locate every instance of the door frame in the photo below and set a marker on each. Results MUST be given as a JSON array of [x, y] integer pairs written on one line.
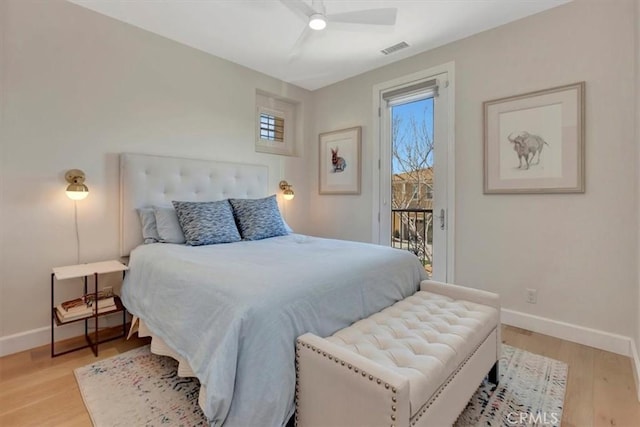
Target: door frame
[[378, 89]]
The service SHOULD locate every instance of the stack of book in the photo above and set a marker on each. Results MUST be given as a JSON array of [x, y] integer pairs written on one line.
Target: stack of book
[[84, 307]]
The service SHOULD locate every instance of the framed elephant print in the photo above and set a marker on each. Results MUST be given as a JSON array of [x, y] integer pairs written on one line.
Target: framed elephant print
[[534, 142], [340, 165]]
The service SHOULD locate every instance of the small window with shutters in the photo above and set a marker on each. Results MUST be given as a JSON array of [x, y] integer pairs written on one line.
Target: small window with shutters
[[271, 127], [275, 127]]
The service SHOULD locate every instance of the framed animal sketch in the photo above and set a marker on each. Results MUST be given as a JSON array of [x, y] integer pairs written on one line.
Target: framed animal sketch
[[340, 164], [534, 142]]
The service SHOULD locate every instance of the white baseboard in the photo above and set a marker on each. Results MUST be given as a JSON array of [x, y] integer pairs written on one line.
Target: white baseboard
[[602, 340], [23, 341], [27, 340], [635, 363]]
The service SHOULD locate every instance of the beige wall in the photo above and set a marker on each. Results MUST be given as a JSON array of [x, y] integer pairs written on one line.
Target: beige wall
[[77, 89], [578, 250]]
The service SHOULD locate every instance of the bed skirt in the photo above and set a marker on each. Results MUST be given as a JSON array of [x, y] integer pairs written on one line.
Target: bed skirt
[[159, 347]]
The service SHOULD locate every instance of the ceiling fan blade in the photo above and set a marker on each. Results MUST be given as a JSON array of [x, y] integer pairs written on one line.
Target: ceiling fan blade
[[385, 16], [299, 7], [296, 50]]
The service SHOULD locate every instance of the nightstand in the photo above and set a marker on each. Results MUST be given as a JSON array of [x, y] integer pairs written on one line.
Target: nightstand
[[94, 269]]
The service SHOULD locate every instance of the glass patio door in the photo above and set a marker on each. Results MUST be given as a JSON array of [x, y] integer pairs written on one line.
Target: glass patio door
[[413, 171]]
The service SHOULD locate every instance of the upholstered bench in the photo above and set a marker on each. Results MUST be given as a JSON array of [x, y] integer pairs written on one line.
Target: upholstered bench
[[415, 363]]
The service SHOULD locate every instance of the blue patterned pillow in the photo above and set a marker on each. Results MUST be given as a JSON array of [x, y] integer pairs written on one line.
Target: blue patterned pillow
[[258, 218], [207, 223]]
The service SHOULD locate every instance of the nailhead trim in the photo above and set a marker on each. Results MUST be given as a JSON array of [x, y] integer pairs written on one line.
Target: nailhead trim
[[297, 393], [349, 366]]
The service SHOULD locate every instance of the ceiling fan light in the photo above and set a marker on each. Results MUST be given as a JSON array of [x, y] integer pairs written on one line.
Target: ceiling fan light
[[317, 22]]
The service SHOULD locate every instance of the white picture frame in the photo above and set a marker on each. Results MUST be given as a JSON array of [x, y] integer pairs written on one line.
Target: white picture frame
[[534, 142], [340, 164]]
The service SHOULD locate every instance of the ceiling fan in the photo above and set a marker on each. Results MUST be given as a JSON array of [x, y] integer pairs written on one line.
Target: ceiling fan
[[317, 17]]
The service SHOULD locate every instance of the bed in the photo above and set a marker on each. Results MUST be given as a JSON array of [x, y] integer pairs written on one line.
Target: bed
[[232, 312]]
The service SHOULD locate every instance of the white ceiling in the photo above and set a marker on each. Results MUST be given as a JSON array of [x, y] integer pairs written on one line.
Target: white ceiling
[[262, 34]]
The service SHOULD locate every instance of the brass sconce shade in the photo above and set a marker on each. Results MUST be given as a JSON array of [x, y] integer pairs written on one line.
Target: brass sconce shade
[[76, 190], [287, 192]]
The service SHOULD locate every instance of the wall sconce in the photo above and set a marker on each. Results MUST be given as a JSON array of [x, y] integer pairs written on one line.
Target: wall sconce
[[287, 192], [76, 190]]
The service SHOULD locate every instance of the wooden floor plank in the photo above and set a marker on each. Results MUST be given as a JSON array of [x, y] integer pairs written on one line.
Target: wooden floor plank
[[614, 400], [578, 410], [36, 390]]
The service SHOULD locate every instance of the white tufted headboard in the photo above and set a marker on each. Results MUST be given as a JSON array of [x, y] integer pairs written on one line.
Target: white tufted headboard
[[147, 181]]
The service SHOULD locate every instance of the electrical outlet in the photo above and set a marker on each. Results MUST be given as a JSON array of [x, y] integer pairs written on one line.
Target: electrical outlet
[[532, 296], [108, 290]]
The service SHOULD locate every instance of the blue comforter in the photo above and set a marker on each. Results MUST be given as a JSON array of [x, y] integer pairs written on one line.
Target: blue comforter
[[234, 310]]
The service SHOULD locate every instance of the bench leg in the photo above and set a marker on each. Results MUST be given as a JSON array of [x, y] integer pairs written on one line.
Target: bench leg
[[292, 421], [494, 374]]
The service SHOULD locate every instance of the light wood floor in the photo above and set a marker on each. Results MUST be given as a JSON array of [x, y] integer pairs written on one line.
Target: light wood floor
[[36, 390]]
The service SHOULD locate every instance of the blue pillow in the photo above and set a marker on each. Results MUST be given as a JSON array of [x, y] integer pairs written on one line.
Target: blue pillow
[[168, 226], [149, 228], [207, 223], [258, 218]]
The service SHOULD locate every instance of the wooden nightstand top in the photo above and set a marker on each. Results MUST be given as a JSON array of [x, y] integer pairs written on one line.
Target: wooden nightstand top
[[82, 270]]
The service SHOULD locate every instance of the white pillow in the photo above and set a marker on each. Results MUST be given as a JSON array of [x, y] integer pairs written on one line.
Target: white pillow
[[169, 230], [149, 228]]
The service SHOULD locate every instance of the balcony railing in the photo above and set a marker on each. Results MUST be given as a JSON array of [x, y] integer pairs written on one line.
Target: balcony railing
[[412, 230]]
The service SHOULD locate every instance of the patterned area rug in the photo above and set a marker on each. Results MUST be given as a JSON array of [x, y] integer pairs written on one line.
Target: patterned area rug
[[530, 393], [138, 388]]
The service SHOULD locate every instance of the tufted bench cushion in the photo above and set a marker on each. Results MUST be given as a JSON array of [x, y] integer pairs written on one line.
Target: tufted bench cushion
[[424, 338], [415, 363]]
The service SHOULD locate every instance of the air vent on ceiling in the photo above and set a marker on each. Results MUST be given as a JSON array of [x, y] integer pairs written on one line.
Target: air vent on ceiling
[[395, 48]]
